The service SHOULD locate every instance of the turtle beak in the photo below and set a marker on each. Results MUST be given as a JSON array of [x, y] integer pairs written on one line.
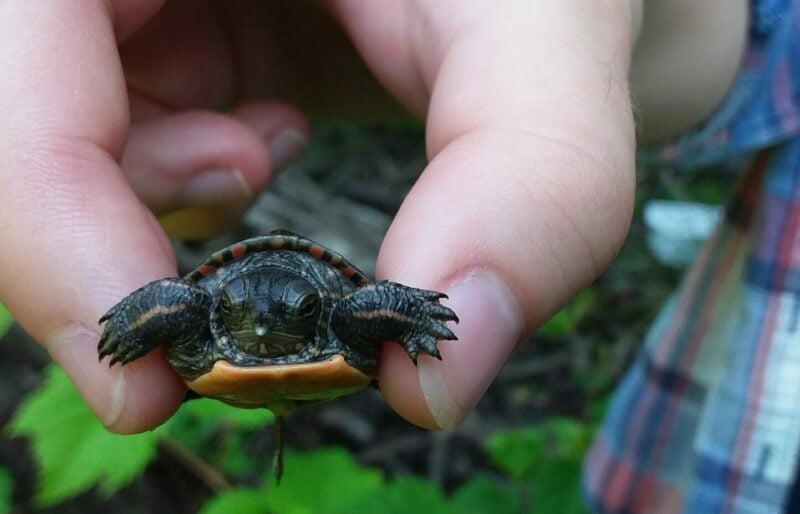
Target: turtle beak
[[261, 330]]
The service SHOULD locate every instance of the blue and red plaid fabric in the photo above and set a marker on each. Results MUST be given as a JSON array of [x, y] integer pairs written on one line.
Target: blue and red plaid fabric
[[708, 419]]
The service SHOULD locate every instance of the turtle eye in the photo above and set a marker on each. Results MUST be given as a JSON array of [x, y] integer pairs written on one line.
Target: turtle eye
[[307, 307], [225, 303], [232, 292]]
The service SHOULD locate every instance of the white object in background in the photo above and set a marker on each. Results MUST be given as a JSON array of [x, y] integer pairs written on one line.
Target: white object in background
[[675, 230]]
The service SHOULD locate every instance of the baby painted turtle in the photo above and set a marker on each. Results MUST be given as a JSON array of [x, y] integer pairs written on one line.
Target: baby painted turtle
[[274, 321]]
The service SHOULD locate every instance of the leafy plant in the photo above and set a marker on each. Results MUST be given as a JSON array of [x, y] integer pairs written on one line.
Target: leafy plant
[[406, 494], [74, 452], [486, 495], [327, 481], [72, 449], [565, 321], [542, 462], [330, 481], [6, 490], [218, 433], [5, 320], [546, 460], [242, 500]]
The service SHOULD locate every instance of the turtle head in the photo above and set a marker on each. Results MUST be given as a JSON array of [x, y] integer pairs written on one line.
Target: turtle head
[[270, 313]]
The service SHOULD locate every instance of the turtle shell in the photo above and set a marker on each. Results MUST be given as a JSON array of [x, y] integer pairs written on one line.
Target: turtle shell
[[277, 240], [278, 386]]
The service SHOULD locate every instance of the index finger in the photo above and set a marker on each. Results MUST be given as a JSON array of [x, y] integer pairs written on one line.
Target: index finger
[[75, 239]]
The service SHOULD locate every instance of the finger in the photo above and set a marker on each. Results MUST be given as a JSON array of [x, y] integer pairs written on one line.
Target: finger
[[208, 166], [75, 238], [194, 159], [527, 196], [184, 41]]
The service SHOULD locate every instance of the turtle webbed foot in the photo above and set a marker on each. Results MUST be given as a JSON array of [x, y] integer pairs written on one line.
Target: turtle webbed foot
[[120, 344], [387, 311], [162, 313], [427, 323], [127, 333]]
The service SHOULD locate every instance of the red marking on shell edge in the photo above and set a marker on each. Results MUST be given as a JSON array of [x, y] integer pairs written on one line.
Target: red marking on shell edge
[[348, 271], [205, 269], [316, 251], [238, 250]]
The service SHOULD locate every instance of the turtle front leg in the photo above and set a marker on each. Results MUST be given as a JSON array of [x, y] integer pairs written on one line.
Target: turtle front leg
[[165, 312], [387, 311]]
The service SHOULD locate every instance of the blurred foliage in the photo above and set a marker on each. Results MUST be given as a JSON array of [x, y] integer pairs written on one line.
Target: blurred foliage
[[565, 322], [539, 464], [486, 494], [6, 489], [5, 320], [546, 459], [218, 433], [327, 481], [331, 482], [243, 500], [74, 452], [72, 449]]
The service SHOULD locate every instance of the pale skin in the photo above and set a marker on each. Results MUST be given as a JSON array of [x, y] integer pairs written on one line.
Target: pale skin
[[113, 110]]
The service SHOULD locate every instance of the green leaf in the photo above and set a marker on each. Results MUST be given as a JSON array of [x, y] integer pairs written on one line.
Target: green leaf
[[327, 481], [206, 409], [597, 410], [555, 488], [220, 433], [565, 321], [559, 326], [406, 494], [484, 495], [73, 451], [556, 483], [547, 459], [521, 452], [6, 490], [570, 438], [6, 320], [517, 451], [240, 500]]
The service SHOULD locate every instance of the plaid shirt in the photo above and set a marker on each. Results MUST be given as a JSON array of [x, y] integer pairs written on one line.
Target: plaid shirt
[[708, 419]]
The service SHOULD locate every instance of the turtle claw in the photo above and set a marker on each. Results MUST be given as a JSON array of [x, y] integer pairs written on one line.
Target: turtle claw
[[422, 342], [430, 316], [440, 312], [432, 296], [120, 344]]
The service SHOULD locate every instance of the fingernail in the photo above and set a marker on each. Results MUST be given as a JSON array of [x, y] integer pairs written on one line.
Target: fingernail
[[74, 348], [286, 147], [491, 324], [216, 187]]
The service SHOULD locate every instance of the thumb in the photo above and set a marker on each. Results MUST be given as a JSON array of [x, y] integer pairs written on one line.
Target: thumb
[[510, 228], [526, 199]]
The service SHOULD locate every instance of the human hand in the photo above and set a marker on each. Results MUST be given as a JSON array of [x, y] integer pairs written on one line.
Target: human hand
[[527, 196]]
